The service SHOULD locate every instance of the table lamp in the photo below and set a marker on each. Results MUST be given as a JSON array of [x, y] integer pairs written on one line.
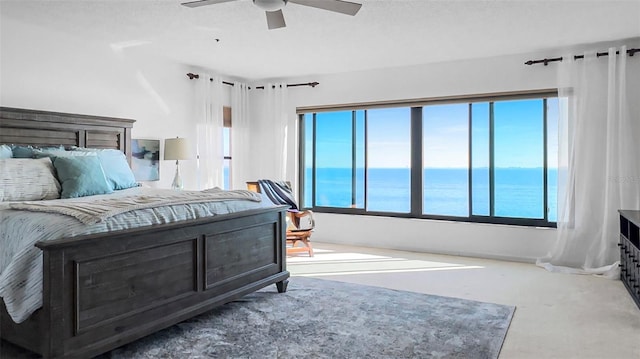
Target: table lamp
[[176, 149]]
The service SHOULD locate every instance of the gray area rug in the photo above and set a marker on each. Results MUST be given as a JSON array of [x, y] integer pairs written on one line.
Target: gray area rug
[[319, 318]]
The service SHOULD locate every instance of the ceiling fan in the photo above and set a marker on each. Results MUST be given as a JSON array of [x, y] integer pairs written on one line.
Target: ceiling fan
[[273, 8]]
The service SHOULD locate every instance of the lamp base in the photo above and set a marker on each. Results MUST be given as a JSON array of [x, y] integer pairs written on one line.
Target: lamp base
[[177, 180]]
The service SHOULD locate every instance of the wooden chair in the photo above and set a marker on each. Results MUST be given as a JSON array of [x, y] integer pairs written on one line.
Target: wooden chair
[[295, 234]]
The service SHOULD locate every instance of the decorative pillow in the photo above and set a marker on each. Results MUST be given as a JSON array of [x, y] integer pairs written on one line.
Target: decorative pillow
[[81, 176], [58, 152], [28, 151], [5, 151], [115, 166], [22, 151], [27, 179]]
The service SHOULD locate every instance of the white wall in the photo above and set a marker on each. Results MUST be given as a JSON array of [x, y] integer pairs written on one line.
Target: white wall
[[48, 70], [480, 76]]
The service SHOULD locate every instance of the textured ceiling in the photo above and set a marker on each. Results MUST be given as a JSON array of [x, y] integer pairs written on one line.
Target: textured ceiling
[[385, 33]]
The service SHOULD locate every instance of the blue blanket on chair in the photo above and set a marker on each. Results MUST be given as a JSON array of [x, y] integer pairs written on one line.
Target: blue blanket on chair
[[279, 193]]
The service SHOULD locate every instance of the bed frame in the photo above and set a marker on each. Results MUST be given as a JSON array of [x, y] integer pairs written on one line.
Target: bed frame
[[105, 290]]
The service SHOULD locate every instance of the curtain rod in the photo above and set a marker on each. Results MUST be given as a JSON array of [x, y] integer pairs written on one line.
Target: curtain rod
[[631, 52], [192, 76]]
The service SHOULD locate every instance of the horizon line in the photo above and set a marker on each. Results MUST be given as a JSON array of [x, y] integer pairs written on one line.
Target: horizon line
[[437, 168]]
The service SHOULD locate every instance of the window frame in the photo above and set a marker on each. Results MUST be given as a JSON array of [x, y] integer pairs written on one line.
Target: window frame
[[416, 135]]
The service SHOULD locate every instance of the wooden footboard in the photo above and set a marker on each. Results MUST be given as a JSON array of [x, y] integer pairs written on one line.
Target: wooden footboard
[[103, 291]]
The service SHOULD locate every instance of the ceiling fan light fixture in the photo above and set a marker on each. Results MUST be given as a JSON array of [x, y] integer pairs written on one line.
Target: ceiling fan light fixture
[[270, 5]]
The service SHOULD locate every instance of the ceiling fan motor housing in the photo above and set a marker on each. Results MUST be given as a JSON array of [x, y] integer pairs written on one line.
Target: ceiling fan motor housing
[[273, 8], [270, 5]]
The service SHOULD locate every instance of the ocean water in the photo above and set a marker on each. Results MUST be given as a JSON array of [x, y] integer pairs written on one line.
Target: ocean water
[[518, 191]]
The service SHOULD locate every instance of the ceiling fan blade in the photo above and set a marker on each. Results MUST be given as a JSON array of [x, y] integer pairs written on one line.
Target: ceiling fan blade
[[343, 7], [203, 2], [275, 19]]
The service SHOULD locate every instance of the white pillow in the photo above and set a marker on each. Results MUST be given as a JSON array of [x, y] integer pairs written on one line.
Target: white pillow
[[27, 179]]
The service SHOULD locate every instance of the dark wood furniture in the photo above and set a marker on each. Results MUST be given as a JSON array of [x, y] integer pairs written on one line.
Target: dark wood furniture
[[43, 128], [105, 290], [630, 252], [294, 236]]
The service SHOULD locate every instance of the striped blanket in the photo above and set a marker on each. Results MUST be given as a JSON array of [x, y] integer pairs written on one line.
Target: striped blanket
[[279, 193], [99, 210]]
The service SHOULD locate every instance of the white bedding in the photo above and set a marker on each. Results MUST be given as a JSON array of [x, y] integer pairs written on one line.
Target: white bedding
[[99, 209], [21, 261]]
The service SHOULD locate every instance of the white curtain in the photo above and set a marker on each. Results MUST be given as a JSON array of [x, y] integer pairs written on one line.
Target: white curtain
[[209, 138], [599, 163], [270, 140], [241, 149]]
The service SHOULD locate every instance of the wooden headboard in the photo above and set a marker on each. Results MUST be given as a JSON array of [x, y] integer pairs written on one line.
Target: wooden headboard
[[43, 128]]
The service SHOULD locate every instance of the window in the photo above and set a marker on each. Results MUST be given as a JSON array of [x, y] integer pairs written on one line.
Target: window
[[388, 160], [334, 159], [487, 159], [445, 156]]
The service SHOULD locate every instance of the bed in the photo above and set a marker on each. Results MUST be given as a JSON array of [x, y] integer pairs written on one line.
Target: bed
[[158, 275]]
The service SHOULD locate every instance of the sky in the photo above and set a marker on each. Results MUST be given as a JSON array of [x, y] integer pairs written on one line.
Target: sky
[[518, 130]]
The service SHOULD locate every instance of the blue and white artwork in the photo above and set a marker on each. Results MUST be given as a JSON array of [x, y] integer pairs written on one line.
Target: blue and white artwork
[[145, 159]]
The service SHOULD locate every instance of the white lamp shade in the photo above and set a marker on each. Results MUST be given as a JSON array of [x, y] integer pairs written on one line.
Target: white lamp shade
[[176, 149]]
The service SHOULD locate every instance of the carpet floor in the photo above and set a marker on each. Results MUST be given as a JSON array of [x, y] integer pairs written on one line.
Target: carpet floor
[[318, 318]]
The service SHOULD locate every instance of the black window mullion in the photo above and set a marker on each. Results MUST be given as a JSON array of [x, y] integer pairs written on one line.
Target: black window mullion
[[301, 159], [544, 159], [314, 145], [470, 166], [416, 161]]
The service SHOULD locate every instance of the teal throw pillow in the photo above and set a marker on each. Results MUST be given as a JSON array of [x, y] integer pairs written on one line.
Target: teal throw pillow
[[57, 152], [81, 176], [115, 166], [20, 151], [5, 151]]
